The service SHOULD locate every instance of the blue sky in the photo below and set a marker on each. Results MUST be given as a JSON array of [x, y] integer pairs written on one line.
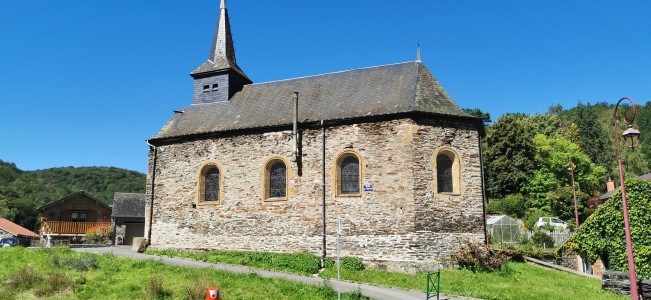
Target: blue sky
[[85, 83]]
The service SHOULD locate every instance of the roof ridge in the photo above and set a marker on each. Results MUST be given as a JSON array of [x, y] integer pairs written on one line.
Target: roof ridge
[[336, 72]]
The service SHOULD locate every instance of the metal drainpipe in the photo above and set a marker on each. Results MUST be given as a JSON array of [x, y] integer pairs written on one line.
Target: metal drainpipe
[[323, 191], [151, 202], [483, 188], [295, 128]]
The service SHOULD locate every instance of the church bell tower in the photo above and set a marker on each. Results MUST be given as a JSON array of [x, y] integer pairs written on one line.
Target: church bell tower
[[219, 78]]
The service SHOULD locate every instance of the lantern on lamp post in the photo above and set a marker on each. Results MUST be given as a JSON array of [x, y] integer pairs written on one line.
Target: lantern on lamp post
[[632, 140]]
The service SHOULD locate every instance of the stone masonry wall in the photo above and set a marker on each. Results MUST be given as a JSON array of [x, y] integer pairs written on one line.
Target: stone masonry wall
[[400, 225]]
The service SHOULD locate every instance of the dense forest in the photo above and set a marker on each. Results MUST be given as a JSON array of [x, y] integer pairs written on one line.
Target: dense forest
[[21, 192], [526, 158]]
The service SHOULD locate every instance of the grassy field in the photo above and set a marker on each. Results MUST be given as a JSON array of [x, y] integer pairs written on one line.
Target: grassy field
[[63, 274], [514, 281]]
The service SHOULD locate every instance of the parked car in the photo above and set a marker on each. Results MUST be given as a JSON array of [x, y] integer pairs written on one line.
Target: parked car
[[557, 223], [8, 242]]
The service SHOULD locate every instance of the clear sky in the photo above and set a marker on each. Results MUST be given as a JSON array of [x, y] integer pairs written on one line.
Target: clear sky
[[85, 83]]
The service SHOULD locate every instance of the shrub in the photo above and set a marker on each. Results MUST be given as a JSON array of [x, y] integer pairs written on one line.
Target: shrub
[[602, 236], [542, 239], [531, 220], [97, 238], [56, 283], [155, 289], [512, 205], [197, 290], [24, 279], [352, 263], [83, 263], [302, 262], [479, 257]]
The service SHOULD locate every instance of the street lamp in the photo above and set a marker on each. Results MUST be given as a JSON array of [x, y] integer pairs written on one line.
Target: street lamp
[[576, 209], [632, 139]]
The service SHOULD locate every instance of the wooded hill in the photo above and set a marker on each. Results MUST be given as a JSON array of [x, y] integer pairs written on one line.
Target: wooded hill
[[526, 158], [21, 192]]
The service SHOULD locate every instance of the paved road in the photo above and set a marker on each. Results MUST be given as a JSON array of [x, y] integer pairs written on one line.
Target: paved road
[[375, 292]]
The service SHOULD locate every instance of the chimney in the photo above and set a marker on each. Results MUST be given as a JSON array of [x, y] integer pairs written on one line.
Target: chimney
[[610, 185]]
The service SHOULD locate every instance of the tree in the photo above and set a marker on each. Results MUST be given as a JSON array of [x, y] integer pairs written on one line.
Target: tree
[[643, 121], [509, 155], [548, 186], [486, 117], [594, 142], [21, 192]]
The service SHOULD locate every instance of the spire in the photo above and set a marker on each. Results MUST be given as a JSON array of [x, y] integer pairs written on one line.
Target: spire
[[222, 44], [222, 52], [418, 53]]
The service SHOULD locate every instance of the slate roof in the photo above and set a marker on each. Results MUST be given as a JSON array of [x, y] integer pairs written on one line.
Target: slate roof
[[80, 193], [129, 205], [375, 91], [222, 52], [16, 229], [608, 194]]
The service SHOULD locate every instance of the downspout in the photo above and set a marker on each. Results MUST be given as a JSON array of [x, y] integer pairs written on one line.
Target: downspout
[[153, 180], [483, 188], [323, 191], [295, 128]]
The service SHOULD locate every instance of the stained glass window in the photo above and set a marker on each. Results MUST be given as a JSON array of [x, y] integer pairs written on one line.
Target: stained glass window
[[444, 174], [278, 180], [350, 175], [212, 185]]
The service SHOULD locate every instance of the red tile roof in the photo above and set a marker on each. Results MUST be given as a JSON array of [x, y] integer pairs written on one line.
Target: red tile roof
[[15, 229]]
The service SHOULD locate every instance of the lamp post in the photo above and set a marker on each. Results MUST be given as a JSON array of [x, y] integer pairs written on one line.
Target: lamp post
[[630, 135], [576, 209]]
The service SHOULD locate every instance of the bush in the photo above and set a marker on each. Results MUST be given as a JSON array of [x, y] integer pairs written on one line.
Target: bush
[[542, 239], [57, 282], [197, 290], [352, 263], [97, 238], [155, 289], [512, 205], [602, 236], [479, 257], [530, 222], [83, 263], [23, 279]]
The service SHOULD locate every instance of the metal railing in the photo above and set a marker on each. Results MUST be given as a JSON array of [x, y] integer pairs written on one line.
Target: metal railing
[[433, 284]]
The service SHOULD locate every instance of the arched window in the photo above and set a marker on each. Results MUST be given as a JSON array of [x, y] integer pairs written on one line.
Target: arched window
[[210, 184], [444, 174], [348, 177], [275, 179], [446, 165], [278, 180]]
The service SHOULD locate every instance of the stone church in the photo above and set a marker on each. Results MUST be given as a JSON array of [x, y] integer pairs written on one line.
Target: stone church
[[272, 166]]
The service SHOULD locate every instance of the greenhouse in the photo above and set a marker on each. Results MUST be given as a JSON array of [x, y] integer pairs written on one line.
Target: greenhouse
[[503, 229]]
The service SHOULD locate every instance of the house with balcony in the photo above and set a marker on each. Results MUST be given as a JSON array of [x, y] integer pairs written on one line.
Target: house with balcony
[[70, 218]]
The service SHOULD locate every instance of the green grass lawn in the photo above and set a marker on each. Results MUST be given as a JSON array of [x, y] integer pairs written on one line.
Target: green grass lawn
[[514, 281], [63, 274]]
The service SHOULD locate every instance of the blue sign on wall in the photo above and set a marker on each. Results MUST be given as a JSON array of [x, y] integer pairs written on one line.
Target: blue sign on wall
[[368, 187]]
